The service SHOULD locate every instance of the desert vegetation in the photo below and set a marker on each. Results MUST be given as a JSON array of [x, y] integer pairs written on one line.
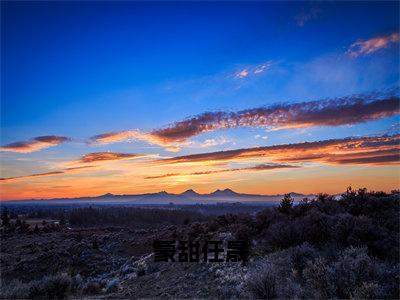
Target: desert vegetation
[[324, 247], [89, 216]]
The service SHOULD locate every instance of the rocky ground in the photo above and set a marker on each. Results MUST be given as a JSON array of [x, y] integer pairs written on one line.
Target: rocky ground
[[113, 263], [319, 249]]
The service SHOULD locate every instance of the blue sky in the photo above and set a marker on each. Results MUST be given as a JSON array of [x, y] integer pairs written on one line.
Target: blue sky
[[83, 69]]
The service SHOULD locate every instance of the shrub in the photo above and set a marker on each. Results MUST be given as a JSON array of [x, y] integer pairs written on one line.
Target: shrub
[[355, 270], [14, 290], [262, 282], [352, 274], [76, 283], [264, 219], [112, 285], [313, 228], [280, 235], [92, 287], [368, 290], [242, 232], [299, 256], [317, 275], [51, 287], [95, 244], [196, 229]]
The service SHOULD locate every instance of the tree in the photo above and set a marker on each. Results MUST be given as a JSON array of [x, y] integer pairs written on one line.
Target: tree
[[62, 220], [18, 223], [24, 226], [5, 219], [286, 204]]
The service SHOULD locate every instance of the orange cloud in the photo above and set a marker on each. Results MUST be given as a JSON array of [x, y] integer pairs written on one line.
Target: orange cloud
[[36, 144], [132, 135], [107, 156], [362, 150], [113, 137], [262, 167], [332, 112], [243, 73], [85, 159], [67, 170], [372, 45], [372, 160]]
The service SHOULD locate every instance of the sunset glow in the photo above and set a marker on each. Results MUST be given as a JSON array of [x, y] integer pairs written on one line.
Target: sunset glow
[[261, 98]]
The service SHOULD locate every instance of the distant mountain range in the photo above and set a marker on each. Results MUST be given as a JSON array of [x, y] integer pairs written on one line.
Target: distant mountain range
[[187, 197]]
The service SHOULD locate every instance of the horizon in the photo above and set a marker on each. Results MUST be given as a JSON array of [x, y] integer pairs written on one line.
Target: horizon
[[191, 190], [181, 193], [261, 98]]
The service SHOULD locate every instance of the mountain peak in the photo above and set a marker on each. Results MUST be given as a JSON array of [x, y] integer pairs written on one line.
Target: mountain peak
[[107, 195], [162, 193], [225, 192], [190, 192]]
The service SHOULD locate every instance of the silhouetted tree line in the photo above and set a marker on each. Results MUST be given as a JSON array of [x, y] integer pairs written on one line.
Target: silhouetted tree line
[[85, 216], [41, 213], [9, 226], [11, 222]]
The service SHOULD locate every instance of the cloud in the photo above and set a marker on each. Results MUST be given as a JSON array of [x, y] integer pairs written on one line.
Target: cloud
[[258, 136], [262, 68], [32, 175], [173, 148], [78, 168], [379, 157], [307, 15], [214, 142], [353, 150], [90, 158], [261, 167], [392, 129], [253, 70], [373, 160], [107, 156], [331, 112], [243, 73], [365, 47], [67, 170], [118, 136], [36, 144], [133, 135]]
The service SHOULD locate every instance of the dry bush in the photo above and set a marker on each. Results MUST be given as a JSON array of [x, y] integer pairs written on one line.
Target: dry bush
[[262, 282], [14, 290], [50, 287]]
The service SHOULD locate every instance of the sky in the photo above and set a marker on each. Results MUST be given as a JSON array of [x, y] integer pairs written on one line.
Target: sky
[[141, 97]]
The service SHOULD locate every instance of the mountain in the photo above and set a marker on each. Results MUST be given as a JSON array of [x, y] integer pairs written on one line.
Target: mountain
[[190, 193], [106, 195], [188, 197], [225, 193]]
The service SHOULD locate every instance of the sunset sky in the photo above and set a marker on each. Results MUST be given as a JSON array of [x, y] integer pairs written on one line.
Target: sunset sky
[[262, 97]]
